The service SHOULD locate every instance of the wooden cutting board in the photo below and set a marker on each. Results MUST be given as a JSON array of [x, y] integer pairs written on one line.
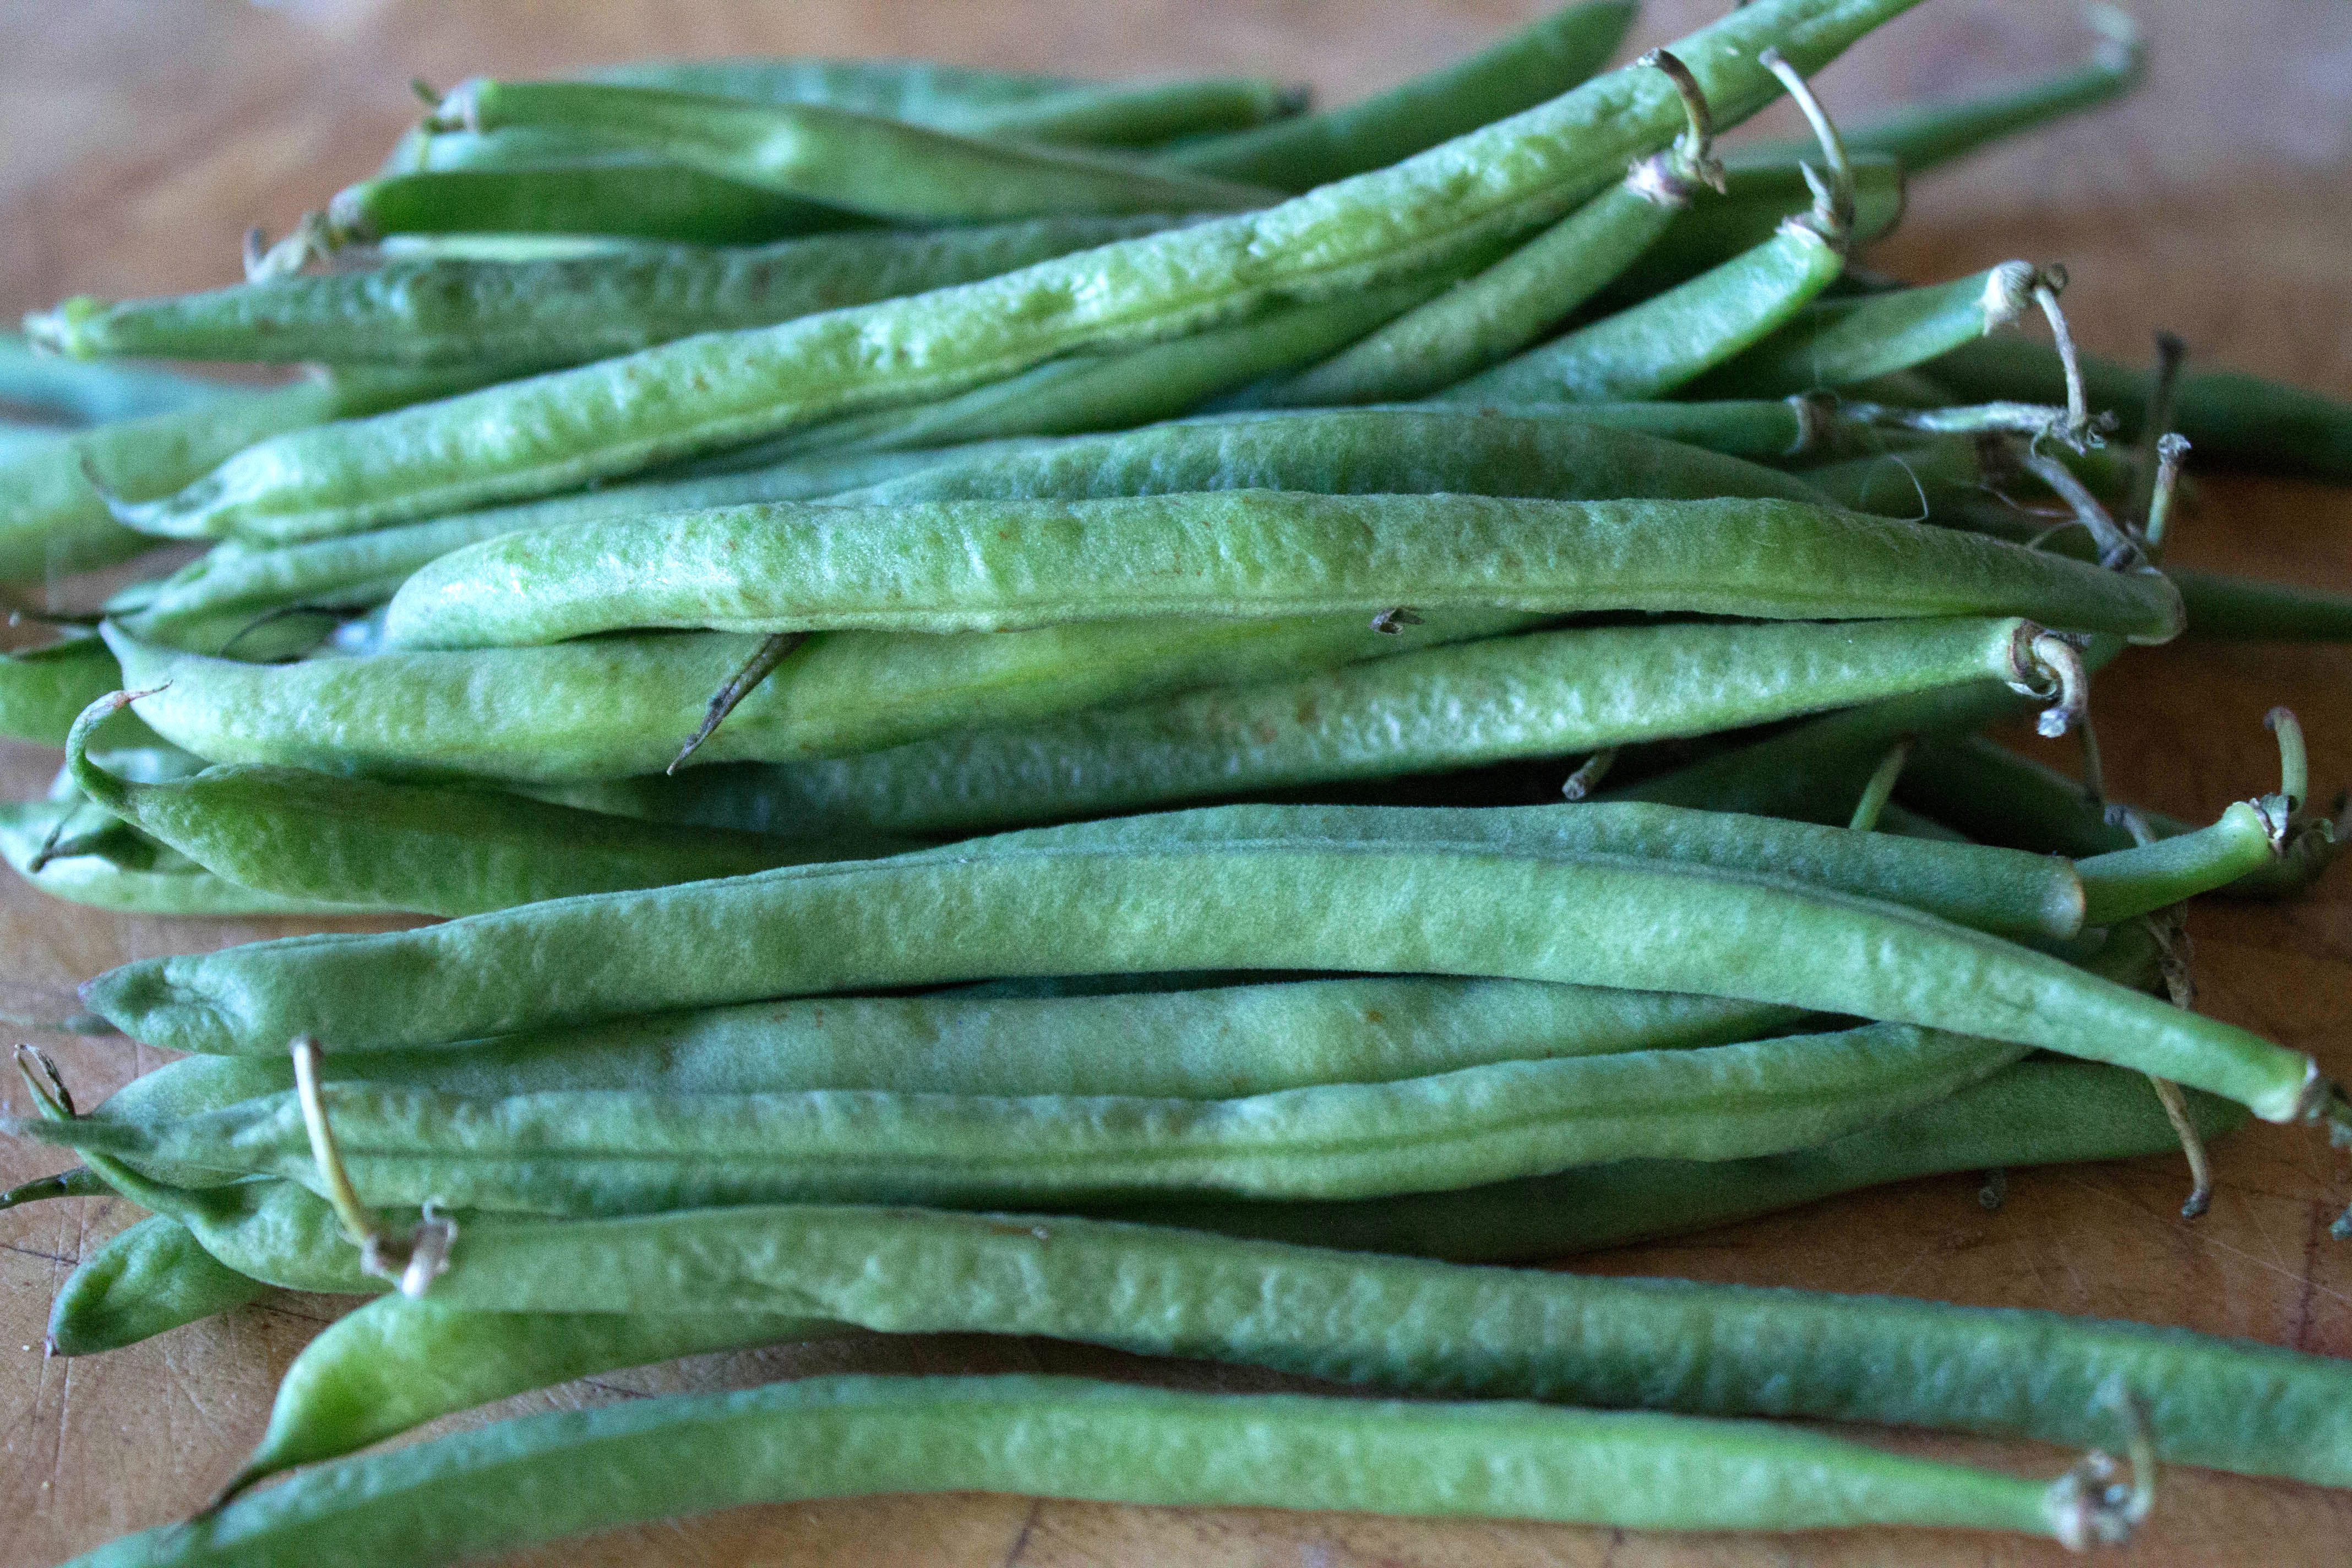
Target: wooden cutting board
[[139, 138]]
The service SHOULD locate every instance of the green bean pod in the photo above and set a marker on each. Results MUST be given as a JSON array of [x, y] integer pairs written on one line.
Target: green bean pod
[[1215, 1042], [1548, 56], [1405, 450], [129, 873], [1655, 348], [1536, 694], [557, 313], [1760, 193], [586, 1153], [52, 520], [146, 1281], [849, 161], [1436, 1327], [545, 1477], [364, 1379], [2140, 880], [1311, 905], [636, 200], [1004, 566], [2232, 419], [609, 706], [1839, 342], [72, 394], [928, 92], [42, 690], [562, 430], [424, 849], [210, 605], [2222, 605]]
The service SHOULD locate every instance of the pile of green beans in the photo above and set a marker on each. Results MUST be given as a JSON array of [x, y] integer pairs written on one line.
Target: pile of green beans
[[924, 632]]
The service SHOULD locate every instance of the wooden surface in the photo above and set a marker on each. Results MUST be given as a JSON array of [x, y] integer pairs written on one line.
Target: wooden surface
[[137, 138]]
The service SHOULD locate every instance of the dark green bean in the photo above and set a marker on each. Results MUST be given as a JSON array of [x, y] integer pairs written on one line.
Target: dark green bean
[[609, 707], [541, 1477], [562, 430], [2222, 605], [557, 313], [81, 1182], [1536, 694], [1547, 57], [635, 200], [1003, 566], [146, 1281]]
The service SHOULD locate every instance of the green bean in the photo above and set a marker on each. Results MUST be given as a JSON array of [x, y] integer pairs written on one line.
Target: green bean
[[146, 1281], [1519, 71], [841, 159], [1216, 1042], [330, 1403], [52, 520], [1510, 305], [2124, 882], [78, 1183], [2032, 1114], [1537, 452], [1839, 342], [615, 706], [557, 313], [1760, 193], [541, 1477], [81, 395], [586, 1153], [42, 689], [130, 873], [1536, 694], [1656, 347], [212, 603], [633, 200], [1003, 566], [1436, 1327], [428, 850], [1927, 136], [978, 102], [2006, 893], [400, 1361], [2231, 419], [1813, 771], [1645, 925], [2222, 605], [1090, 392], [561, 431]]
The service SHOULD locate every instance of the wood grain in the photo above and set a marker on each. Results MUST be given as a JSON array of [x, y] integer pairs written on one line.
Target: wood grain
[[137, 140]]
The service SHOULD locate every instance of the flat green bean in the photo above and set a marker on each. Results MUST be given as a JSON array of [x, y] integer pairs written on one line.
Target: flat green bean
[[555, 313], [545, 1477], [1314, 905], [609, 707], [560, 431], [146, 1281], [42, 689], [1005, 566], [130, 873], [1519, 71], [1534, 694], [846, 160], [1436, 1327]]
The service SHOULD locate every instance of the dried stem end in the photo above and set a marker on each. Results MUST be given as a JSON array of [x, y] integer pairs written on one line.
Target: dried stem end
[[1834, 197], [411, 1263], [1671, 177]]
